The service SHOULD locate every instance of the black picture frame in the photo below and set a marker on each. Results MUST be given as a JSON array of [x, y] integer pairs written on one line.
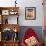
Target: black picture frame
[[30, 13]]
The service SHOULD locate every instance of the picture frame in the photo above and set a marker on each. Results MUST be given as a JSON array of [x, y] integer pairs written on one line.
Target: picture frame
[[30, 13], [13, 12], [5, 19], [5, 12]]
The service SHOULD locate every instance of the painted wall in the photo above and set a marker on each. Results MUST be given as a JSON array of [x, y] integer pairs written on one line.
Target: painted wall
[[39, 12], [26, 3]]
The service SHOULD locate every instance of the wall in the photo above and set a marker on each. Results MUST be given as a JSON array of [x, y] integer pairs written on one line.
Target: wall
[[27, 3], [39, 12]]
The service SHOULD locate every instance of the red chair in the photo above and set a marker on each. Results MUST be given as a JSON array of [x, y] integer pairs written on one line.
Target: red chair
[[29, 33]]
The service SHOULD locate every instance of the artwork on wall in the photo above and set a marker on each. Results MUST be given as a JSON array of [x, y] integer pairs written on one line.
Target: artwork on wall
[[30, 13], [5, 12]]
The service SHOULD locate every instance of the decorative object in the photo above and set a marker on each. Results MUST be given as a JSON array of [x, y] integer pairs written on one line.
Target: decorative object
[[15, 37], [15, 3], [15, 30], [7, 34], [5, 19], [5, 12], [13, 12], [15, 34], [30, 13]]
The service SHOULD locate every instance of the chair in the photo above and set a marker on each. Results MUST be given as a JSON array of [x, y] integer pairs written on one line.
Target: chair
[[28, 34]]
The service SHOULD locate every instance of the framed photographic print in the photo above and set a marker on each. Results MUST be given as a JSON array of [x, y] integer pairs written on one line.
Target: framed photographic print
[[5, 12], [13, 12], [30, 13]]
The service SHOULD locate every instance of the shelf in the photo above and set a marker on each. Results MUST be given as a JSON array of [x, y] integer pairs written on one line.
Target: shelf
[[9, 10], [6, 12], [10, 26], [11, 41], [7, 16]]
